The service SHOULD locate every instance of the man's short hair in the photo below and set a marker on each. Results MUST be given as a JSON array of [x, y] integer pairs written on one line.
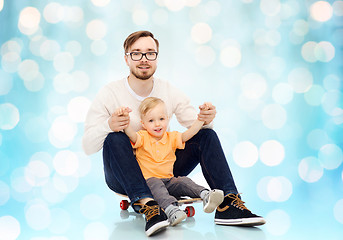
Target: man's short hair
[[133, 37]]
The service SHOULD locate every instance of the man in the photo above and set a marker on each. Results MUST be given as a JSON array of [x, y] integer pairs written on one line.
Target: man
[[103, 129]]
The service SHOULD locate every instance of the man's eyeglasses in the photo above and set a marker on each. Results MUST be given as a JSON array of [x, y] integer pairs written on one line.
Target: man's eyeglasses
[[136, 56]]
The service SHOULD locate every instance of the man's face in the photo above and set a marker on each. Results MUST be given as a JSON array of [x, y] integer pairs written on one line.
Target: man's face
[[142, 69]]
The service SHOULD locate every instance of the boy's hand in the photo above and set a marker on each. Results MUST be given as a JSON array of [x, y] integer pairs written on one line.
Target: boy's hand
[[120, 119], [207, 113]]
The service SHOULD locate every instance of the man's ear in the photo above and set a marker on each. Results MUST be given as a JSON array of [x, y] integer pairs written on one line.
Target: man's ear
[[126, 60]]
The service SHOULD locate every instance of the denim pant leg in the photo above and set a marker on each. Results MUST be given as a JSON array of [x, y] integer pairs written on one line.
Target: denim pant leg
[[160, 192], [184, 187], [205, 148], [122, 172]]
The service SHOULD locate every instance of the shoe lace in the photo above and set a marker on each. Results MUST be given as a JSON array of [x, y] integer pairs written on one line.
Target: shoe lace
[[149, 211], [237, 202]]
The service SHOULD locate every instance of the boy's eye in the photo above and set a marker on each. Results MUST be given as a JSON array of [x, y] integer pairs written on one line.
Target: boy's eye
[[151, 120], [161, 119]]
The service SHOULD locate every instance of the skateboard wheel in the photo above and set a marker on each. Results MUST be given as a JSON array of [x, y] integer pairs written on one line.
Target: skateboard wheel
[[124, 204], [190, 211]]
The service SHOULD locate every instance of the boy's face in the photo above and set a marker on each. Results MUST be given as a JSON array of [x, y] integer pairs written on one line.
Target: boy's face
[[142, 69], [156, 121]]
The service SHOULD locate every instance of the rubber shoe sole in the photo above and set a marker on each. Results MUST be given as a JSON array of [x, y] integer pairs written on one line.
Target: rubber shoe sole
[[215, 198], [182, 216], [248, 222], [157, 228]]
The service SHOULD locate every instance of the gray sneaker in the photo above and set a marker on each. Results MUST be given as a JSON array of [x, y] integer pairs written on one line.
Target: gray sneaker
[[175, 215], [212, 200]]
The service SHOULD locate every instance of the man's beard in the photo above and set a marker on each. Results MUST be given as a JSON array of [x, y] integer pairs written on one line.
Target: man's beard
[[142, 76]]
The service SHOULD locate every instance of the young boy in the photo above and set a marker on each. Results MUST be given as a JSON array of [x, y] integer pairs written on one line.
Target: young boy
[[155, 153]]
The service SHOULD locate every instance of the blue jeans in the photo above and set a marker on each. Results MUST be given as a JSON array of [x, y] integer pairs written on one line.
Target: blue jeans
[[123, 174]]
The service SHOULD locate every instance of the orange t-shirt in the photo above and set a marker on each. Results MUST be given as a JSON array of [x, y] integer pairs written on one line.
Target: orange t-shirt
[[156, 158]]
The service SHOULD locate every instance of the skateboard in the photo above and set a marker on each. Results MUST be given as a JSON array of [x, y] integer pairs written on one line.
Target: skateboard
[[189, 210]]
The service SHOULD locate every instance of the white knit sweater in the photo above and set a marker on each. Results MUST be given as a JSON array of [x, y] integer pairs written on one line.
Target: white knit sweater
[[119, 94]]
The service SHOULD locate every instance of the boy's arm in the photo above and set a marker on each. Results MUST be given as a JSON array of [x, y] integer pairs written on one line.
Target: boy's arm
[[197, 124], [131, 134], [194, 129]]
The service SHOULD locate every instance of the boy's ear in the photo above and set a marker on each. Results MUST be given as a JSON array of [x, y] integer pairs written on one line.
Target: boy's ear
[[143, 124]]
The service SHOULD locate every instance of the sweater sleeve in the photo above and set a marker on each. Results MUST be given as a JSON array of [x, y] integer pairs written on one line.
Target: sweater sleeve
[[185, 113], [96, 124]]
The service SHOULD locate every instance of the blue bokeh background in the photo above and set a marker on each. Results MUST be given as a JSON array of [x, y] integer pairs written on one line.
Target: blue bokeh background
[[272, 68]]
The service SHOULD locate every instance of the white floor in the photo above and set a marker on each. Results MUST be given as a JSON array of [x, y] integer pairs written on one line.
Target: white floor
[[129, 225]]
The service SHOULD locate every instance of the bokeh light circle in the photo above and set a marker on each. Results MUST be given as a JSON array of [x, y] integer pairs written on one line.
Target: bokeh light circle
[[53, 12], [321, 11], [62, 132], [308, 51], [330, 156], [201, 33], [279, 189], [78, 108], [300, 79], [324, 51], [338, 211], [38, 216], [37, 173], [310, 170], [282, 93], [274, 189], [96, 29], [230, 56], [245, 154], [9, 116], [29, 20], [9, 228], [66, 163], [272, 153]]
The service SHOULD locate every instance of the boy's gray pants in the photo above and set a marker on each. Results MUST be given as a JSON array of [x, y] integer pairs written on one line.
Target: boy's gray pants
[[166, 190]]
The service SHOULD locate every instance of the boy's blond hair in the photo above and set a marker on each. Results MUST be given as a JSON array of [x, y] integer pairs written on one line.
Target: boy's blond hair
[[148, 104]]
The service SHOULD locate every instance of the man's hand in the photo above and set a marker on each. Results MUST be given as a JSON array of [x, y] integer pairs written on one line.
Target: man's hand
[[120, 119], [207, 113]]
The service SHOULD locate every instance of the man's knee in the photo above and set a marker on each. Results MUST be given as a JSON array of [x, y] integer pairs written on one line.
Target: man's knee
[[208, 132], [116, 138]]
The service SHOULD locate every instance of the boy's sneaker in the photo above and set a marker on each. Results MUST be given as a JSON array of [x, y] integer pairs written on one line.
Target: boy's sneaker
[[233, 212], [175, 215], [212, 200], [156, 219]]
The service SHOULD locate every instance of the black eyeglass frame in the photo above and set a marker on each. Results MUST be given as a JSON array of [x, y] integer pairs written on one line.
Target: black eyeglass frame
[[142, 55]]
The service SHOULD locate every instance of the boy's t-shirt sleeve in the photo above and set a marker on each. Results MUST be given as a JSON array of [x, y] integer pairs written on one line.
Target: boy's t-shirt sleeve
[[176, 139], [140, 140]]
